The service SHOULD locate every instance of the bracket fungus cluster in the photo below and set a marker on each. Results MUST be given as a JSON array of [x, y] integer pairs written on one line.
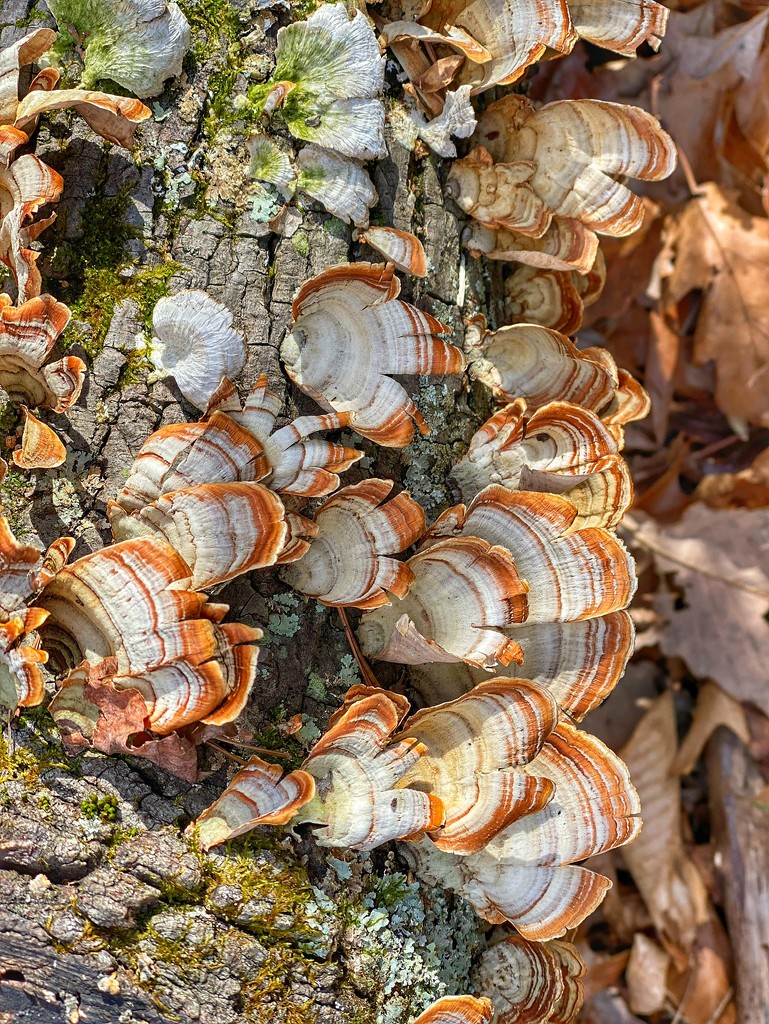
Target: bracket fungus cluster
[[508, 613]]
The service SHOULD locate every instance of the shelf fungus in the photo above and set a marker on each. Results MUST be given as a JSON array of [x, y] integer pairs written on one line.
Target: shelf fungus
[[566, 245], [561, 449], [532, 982], [140, 655], [515, 177], [195, 343], [137, 43], [580, 663], [541, 366], [220, 530], [24, 571], [349, 562], [26, 185], [528, 874], [400, 248], [257, 795], [28, 333], [464, 592], [350, 332], [328, 83], [552, 298], [113, 117], [235, 442], [474, 748], [457, 1010], [341, 185]]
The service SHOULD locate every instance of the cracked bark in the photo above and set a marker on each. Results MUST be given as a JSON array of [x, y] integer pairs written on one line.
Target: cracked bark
[[122, 921]]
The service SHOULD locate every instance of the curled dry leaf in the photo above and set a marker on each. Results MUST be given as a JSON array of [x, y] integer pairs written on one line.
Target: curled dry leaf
[[561, 448], [349, 561], [257, 795], [28, 333], [400, 248], [350, 332], [579, 662], [457, 1010], [40, 446], [473, 746], [527, 874], [540, 365], [357, 767], [26, 185], [328, 82], [532, 983], [342, 186], [195, 343], [220, 530], [127, 612], [137, 43], [463, 593], [566, 245], [238, 445], [513, 180]]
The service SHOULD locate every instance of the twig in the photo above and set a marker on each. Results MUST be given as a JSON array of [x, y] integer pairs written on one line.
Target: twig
[[366, 670]]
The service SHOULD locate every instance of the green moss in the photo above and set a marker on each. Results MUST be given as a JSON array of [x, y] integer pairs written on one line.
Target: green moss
[[14, 490], [27, 766], [301, 243], [105, 808]]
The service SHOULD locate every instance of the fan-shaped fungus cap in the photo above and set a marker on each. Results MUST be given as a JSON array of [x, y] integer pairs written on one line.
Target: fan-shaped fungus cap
[[566, 245], [464, 591], [195, 343], [329, 78], [620, 27], [21, 681], [40, 446], [127, 611], [571, 574], [349, 563], [457, 1010], [27, 335], [26, 185], [527, 875], [350, 332], [400, 248], [514, 180], [553, 298], [220, 530], [580, 663], [269, 163], [532, 982], [561, 448], [12, 59], [136, 43], [342, 186], [457, 119], [257, 795], [540, 365], [473, 746], [357, 767]]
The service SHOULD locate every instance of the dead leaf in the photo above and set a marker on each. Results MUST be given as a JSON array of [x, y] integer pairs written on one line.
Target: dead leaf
[[714, 708], [647, 973], [666, 878], [724, 252], [720, 558]]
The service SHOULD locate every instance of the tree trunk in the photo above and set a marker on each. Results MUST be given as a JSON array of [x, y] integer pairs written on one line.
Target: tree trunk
[[107, 913]]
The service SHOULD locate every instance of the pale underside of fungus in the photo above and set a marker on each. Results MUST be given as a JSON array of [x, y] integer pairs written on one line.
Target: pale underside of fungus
[[195, 343], [350, 333], [566, 245], [542, 366], [528, 875], [349, 562], [531, 982], [328, 83], [341, 185], [456, 120], [140, 651], [560, 448], [552, 298], [569, 158], [239, 445], [137, 43]]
